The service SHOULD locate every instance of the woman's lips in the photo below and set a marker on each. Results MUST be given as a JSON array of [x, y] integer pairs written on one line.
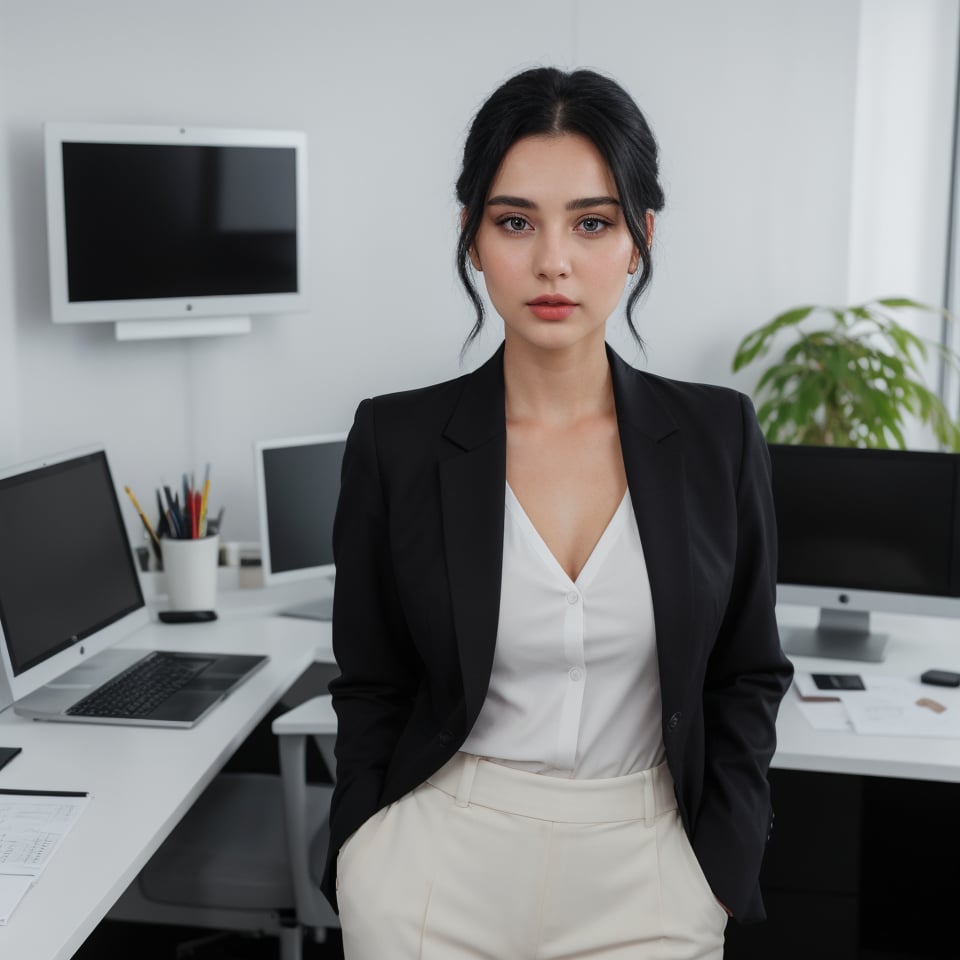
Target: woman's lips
[[551, 308]]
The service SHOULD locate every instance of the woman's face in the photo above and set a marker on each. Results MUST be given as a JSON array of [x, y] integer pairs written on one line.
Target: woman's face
[[553, 245]]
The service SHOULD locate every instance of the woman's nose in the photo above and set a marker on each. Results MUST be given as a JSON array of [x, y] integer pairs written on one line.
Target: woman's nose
[[552, 256]]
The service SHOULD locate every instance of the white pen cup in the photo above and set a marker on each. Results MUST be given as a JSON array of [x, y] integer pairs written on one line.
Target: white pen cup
[[191, 571]]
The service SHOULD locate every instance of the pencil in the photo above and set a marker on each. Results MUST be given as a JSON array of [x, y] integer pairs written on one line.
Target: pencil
[[143, 517], [203, 502]]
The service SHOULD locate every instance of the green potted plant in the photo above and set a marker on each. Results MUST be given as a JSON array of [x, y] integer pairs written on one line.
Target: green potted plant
[[852, 382]]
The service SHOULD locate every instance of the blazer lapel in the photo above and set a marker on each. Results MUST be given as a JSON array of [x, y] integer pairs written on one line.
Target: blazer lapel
[[472, 488], [650, 441]]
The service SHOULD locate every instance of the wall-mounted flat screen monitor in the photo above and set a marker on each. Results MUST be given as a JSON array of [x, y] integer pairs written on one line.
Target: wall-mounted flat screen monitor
[[861, 531], [173, 231]]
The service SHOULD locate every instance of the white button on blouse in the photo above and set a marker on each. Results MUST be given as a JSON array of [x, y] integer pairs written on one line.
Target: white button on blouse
[[575, 689]]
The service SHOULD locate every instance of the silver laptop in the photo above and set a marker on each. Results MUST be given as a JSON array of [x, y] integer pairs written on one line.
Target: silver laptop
[[69, 592]]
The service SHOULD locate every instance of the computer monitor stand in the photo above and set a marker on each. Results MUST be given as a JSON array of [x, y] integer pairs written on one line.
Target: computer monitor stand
[[320, 608], [840, 635]]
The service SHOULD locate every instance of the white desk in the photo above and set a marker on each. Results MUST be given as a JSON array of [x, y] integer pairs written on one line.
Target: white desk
[[273, 600], [916, 644], [856, 815], [141, 780]]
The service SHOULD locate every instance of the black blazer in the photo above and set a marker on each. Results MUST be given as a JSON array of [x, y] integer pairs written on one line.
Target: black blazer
[[418, 544]]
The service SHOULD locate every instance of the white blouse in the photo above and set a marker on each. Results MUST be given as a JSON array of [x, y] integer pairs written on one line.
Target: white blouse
[[575, 689]]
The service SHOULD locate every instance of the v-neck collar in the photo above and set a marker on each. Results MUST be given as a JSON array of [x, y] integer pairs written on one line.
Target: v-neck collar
[[600, 549], [472, 473]]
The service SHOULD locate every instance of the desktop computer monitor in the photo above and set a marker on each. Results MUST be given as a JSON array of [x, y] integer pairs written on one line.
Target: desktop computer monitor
[[298, 485], [68, 585], [862, 531]]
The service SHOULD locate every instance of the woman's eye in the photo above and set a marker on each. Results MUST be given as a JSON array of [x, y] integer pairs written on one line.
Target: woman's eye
[[515, 224], [592, 225]]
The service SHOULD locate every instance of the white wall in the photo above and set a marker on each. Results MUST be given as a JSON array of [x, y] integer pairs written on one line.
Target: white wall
[[384, 95], [903, 142], [902, 149], [752, 101], [8, 383]]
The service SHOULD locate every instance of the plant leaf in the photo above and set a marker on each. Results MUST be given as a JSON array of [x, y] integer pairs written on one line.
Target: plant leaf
[[756, 343], [854, 383], [898, 302]]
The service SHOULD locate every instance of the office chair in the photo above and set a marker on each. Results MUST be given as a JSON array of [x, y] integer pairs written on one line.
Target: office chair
[[249, 853]]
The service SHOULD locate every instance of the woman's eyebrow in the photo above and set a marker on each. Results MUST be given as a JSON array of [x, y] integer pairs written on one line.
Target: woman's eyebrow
[[593, 202], [504, 201], [501, 200]]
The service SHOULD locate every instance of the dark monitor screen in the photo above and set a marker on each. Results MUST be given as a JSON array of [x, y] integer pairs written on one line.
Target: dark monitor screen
[[66, 569], [880, 520], [147, 220], [301, 486]]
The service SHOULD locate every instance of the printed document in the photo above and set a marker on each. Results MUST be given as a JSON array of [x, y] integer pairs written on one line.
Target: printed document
[[32, 826]]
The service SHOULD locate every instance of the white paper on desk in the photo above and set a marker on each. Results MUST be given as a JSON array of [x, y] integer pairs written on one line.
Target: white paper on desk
[[825, 714], [12, 889], [887, 707], [890, 708], [32, 827]]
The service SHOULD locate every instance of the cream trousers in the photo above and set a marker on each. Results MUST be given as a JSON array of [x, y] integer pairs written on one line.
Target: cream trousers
[[485, 862]]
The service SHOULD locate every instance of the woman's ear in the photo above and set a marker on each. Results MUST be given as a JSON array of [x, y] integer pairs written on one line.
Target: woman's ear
[[472, 252], [635, 259]]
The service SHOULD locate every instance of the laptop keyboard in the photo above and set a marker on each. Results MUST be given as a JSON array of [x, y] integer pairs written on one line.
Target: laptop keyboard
[[139, 690]]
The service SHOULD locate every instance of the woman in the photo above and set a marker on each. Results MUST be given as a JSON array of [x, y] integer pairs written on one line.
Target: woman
[[554, 609]]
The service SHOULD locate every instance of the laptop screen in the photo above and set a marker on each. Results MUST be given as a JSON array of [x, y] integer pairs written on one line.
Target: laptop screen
[[66, 568]]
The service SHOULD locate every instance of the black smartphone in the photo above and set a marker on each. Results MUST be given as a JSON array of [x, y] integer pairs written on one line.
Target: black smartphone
[[838, 681]]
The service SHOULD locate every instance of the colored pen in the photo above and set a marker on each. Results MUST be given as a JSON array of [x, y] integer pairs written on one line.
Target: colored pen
[[172, 511], [146, 522], [163, 525]]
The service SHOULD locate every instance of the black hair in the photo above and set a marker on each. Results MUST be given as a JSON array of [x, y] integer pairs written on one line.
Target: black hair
[[546, 101]]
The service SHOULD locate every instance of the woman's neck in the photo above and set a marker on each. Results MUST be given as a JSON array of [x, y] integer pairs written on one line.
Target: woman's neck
[[555, 388]]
